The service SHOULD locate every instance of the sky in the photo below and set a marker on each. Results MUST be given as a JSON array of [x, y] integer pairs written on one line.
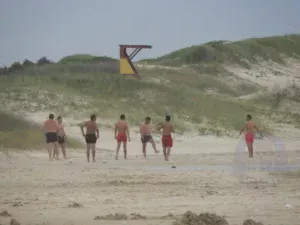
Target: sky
[[56, 28]]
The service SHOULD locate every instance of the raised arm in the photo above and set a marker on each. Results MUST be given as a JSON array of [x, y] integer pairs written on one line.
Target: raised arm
[[127, 132], [173, 129], [97, 130], [116, 131], [244, 127], [159, 126], [256, 128], [141, 129], [81, 128]]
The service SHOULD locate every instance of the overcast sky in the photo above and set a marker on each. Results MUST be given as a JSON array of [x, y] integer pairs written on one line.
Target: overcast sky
[[56, 28]]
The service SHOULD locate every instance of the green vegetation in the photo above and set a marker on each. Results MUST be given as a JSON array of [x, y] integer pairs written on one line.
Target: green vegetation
[[80, 58], [241, 52], [202, 96], [110, 95], [20, 134]]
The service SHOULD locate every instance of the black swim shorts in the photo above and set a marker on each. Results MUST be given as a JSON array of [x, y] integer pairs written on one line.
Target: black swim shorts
[[146, 138], [51, 137], [90, 138], [61, 139]]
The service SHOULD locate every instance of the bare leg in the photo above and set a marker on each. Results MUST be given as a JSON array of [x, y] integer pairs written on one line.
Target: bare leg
[[49, 148], [117, 150], [94, 152], [251, 150], [125, 150], [165, 153], [88, 147], [144, 150], [53, 152], [168, 152], [154, 145], [56, 149], [63, 149]]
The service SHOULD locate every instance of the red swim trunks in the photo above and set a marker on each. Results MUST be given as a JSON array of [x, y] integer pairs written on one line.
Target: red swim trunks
[[122, 138], [167, 141], [249, 138]]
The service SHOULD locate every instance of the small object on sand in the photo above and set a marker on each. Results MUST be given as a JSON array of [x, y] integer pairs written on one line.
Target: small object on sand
[[14, 222], [251, 222], [70, 160], [173, 167], [75, 205], [104, 161], [288, 206], [5, 214]]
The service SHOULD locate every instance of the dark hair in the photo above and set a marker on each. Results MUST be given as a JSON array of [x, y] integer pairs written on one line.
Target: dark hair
[[168, 117], [249, 116], [93, 117], [59, 117], [51, 116], [122, 117], [148, 118]]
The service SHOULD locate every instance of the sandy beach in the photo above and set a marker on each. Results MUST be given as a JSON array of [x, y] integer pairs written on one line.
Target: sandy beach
[[205, 174]]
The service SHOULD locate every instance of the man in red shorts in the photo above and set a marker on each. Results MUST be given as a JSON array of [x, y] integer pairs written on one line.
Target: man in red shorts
[[250, 128], [121, 134], [167, 141]]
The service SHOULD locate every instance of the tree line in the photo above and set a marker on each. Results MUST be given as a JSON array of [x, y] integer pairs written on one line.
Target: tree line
[[19, 66]]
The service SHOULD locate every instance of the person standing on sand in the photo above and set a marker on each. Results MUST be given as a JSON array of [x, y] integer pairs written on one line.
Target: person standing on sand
[[91, 136], [146, 136], [167, 141], [121, 134], [250, 128], [61, 136], [50, 128]]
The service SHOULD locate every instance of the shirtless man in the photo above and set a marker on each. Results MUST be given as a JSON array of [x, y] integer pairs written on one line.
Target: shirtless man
[[50, 129], [91, 136], [61, 136], [250, 128], [146, 136], [167, 141], [121, 134]]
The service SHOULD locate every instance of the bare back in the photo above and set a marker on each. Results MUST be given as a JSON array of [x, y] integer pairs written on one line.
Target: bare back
[[122, 127], [168, 128], [250, 127], [91, 127], [51, 126]]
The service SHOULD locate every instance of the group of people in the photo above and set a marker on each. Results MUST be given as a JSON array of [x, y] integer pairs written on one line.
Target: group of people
[[56, 136]]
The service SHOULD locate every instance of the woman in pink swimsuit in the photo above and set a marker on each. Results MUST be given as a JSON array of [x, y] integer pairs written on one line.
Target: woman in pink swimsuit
[[250, 128]]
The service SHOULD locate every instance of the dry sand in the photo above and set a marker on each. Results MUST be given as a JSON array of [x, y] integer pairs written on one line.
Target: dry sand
[[139, 192]]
